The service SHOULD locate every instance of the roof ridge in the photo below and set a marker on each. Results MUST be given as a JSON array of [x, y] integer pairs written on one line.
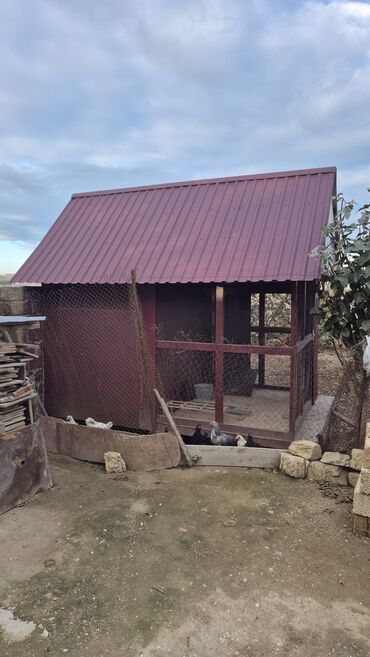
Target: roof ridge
[[208, 181]]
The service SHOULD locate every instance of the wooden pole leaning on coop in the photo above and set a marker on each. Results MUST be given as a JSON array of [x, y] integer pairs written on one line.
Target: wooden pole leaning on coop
[[174, 428]]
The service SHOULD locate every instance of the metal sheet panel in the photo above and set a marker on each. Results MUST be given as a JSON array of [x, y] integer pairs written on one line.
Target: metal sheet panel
[[247, 228]]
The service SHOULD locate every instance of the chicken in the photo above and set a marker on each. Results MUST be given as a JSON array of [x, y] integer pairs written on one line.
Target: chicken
[[220, 438], [200, 437], [90, 422], [70, 419], [366, 357], [250, 442]]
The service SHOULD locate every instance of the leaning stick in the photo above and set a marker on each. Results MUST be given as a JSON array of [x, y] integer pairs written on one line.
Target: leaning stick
[[174, 428]]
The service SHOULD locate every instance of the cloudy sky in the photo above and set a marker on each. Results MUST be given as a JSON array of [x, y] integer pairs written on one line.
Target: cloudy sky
[[108, 94]]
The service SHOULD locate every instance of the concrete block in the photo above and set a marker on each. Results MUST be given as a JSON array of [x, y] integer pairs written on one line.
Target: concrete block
[[352, 478], [332, 474], [293, 466], [241, 457], [306, 449], [365, 481], [336, 458], [356, 459], [366, 456], [114, 462], [361, 502], [361, 525]]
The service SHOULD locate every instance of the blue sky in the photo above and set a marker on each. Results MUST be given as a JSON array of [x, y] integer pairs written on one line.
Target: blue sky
[[110, 94]]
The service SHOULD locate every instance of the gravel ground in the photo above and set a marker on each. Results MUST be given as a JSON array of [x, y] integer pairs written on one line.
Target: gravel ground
[[207, 562]]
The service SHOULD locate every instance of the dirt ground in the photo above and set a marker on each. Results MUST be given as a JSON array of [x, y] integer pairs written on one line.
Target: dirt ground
[[206, 562]]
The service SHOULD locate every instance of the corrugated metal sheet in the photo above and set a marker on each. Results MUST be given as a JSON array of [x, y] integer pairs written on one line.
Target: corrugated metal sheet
[[248, 228]]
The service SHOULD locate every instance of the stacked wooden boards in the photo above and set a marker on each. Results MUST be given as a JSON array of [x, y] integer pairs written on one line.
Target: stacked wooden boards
[[16, 392]]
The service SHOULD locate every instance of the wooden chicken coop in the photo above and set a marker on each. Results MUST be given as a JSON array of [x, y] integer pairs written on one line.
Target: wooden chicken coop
[[219, 316]]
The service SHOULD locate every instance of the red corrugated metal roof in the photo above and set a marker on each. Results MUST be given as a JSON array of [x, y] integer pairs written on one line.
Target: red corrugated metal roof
[[246, 228]]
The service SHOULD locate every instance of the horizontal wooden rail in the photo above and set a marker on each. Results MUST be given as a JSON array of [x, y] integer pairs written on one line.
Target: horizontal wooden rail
[[225, 348], [263, 436], [270, 329]]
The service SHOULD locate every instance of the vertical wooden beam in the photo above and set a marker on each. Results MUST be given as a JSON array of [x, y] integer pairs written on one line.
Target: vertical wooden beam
[[147, 297], [293, 359], [261, 337], [219, 356], [248, 304], [315, 348]]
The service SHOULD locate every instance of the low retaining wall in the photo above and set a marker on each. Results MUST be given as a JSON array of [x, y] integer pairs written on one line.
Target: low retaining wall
[[242, 457], [305, 459], [361, 496], [141, 453]]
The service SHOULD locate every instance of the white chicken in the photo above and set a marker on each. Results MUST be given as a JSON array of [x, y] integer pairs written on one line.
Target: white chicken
[[70, 419], [366, 357], [90, 422]]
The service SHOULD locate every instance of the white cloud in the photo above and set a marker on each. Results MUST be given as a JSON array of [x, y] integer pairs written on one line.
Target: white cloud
[[97, 95]]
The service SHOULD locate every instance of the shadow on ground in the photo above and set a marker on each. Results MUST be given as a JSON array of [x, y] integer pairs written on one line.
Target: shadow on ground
[[204, 562]]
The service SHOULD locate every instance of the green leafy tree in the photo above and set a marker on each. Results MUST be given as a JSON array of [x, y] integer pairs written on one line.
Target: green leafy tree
[[344, 294]]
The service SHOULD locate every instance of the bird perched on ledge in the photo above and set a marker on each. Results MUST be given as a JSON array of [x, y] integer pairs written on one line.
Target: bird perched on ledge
[[220, 438]]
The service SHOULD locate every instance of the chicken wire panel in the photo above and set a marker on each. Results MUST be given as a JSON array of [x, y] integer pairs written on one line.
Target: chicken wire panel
[[94, 359], [277, 309], [185, 313], [186, 375], [246, 401]]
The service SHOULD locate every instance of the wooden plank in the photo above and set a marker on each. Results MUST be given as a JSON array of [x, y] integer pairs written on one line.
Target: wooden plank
[[264, 437], [261, 337], [24, 468], [224, 348], [270, 329], [315, 354], [171, 421], [244, 457], [248, 303], [293, 361], [219, 357], [304, 342], [141, 453]]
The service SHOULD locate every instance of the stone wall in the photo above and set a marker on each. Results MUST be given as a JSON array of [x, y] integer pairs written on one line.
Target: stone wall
[[305, 459], [19, 300], [361, 496]]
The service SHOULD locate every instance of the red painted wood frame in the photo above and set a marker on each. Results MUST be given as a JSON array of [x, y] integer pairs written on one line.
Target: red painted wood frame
[[301, 295]]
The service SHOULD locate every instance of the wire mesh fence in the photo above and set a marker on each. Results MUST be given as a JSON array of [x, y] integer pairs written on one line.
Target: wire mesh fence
[[102, 359], [96, 362]]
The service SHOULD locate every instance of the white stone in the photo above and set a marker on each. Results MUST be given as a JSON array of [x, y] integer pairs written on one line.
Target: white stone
[[114, 462], [361, 502], [366, 457], [332, 474], [336, 458], [352, 478], [365, 481], [306, 449], [356, 459], [293, 466]]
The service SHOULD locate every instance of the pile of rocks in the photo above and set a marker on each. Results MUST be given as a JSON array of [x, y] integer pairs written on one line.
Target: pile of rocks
[[361, 496], [305, 459]]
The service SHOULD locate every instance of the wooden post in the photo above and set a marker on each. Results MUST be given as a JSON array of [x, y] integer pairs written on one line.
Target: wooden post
[[248, 328], [219, 356], [143, 352], [315, 349], [293, 360], [173, 426], [261, 337]]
